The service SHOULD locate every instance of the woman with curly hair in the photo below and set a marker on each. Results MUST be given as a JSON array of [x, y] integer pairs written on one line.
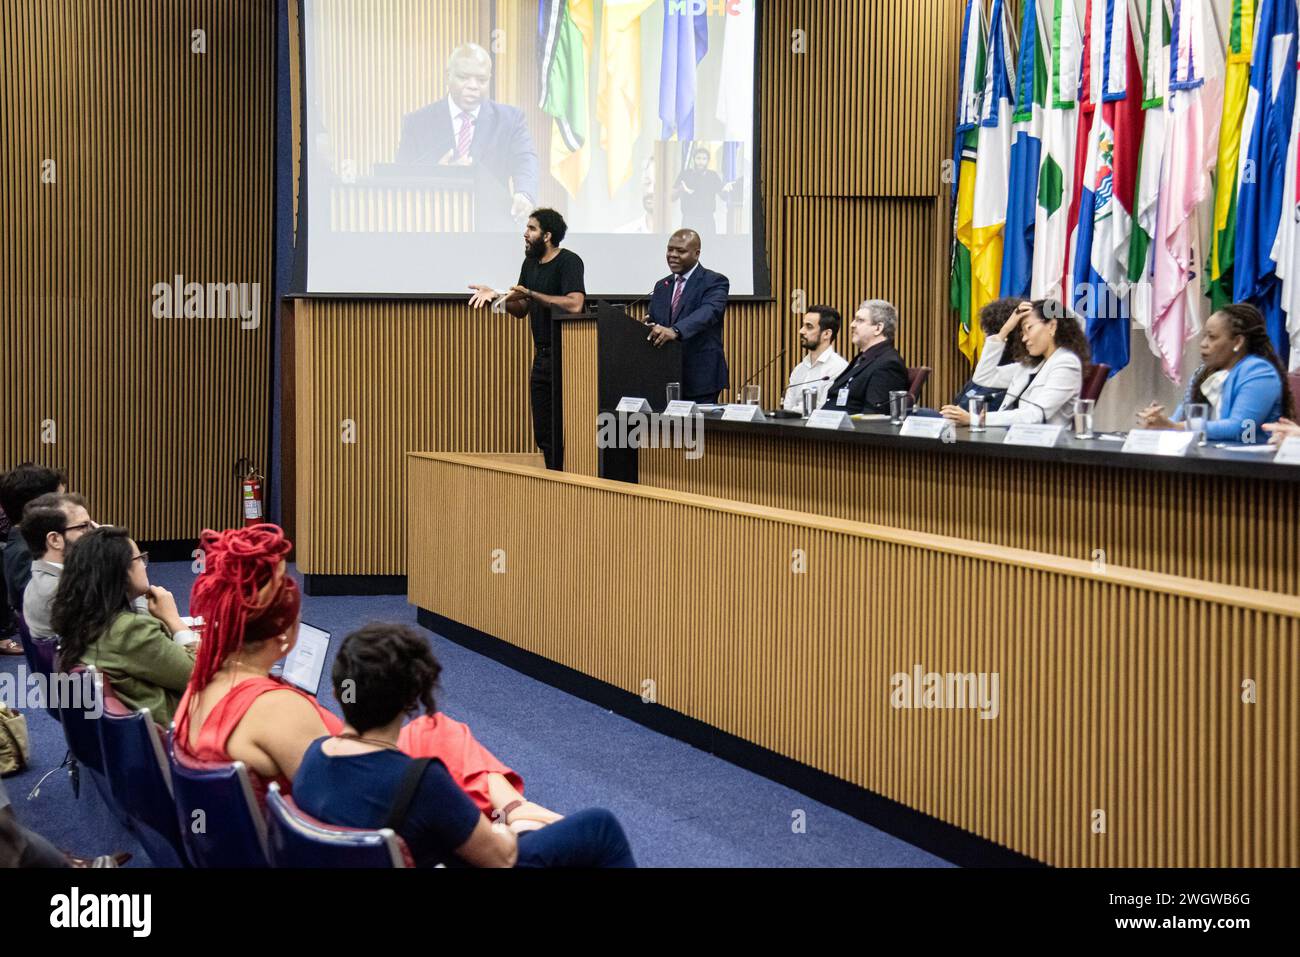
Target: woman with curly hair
[[233, 710], [1241, 379], [1043, 385], [361, 777], [149, 657]]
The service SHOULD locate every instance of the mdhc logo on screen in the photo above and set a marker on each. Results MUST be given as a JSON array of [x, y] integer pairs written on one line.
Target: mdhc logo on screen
[[714, 8]]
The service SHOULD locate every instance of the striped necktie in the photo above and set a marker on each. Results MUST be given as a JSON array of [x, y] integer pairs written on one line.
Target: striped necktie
[[465, 136], [677, 296]]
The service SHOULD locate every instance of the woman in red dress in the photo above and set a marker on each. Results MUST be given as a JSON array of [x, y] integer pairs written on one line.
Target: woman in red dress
[[233, 710]]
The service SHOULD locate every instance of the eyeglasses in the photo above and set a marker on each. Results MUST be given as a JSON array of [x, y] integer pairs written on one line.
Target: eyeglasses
[[142, 558], [80, 526]]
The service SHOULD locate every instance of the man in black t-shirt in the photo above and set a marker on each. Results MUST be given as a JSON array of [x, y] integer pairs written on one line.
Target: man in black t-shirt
[[698, 188], [551, 278]]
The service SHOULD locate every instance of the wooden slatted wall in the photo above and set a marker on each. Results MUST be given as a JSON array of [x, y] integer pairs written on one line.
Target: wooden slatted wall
[[855, 134], [1119, 691], [162, 165]]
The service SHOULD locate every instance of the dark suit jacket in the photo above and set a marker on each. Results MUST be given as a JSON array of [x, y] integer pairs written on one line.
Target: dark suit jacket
[[502, 147], [870, 378], [699, 323]]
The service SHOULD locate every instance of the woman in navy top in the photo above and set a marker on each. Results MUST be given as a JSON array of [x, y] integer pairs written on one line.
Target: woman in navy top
[[1240, 378], [359, 778]]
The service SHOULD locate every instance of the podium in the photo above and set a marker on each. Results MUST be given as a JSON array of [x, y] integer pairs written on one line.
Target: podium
[[599, 357]]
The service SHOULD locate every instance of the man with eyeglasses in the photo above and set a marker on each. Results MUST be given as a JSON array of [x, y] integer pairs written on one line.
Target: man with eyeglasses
[[51, 523]]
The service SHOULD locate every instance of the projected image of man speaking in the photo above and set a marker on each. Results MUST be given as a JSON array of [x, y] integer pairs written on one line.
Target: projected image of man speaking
[[466, 128]]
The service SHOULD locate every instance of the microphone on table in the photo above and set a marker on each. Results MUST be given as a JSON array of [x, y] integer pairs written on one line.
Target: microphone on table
[[739, 390]]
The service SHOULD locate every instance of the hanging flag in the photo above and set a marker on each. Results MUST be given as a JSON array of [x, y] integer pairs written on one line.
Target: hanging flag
[[1106, 198], [1286, 247], [1060, 137], [565, 34], [618, 98], [1089, 98], [1241, 30], [736, 93], [1266, 130], [1193, 108], [1026, 152], [686, 41], [964, 165], [992, 171], [1155, 86]]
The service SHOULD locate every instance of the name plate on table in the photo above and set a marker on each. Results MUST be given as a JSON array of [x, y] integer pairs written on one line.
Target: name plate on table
[[1289, 452], [1043, 436], [735, 412], [630, 403], [1159, 442], [927, 427], [683, 407], [829, 419]]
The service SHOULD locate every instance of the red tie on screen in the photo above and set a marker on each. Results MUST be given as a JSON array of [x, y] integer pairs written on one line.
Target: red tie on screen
[[677, 296], [465, 136]]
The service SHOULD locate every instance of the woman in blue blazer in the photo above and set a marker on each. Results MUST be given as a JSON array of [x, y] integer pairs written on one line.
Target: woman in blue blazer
[[1241, 379]]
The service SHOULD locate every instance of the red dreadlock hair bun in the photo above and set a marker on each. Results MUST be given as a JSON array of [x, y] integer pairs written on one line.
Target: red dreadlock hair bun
[[243, 594]]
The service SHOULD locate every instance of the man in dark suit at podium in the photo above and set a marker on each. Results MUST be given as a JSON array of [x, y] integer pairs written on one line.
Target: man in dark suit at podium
[[688, 306], [465, 128]]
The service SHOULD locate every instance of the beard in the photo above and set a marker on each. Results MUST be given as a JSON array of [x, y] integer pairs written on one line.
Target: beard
[[807, 346], [535, 250]]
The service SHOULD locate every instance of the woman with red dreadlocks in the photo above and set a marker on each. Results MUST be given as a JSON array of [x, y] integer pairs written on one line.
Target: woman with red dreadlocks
[[233, 710]]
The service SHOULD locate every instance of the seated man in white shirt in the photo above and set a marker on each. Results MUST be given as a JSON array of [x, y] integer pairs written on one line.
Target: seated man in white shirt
[[822, 365], [51, 523]]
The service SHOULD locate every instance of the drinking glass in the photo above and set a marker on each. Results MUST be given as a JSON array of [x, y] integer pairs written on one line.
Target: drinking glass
[[674, 392], [979, 407], [1197, 415], [809, 397], [899, 406], [753, 394], [1083, 410]]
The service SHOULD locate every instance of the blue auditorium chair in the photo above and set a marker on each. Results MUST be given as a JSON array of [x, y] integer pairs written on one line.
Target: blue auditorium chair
[[219, 820], [299, 840], [81, 732], [140, 781], [39, 652]]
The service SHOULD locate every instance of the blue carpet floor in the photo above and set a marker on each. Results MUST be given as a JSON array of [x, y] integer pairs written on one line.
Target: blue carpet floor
[[680, 806]]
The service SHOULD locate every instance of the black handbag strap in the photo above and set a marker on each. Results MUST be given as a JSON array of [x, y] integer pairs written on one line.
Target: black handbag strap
[[406, 794]]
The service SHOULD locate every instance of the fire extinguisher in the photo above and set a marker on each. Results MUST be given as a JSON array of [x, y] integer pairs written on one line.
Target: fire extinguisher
[[251, 494]]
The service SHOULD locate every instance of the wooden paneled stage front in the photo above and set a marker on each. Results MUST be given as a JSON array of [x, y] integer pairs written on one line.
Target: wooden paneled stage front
[[1083, 716]]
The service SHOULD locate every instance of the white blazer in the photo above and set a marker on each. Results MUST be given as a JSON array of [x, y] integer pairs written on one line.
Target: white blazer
[[1049, 398]]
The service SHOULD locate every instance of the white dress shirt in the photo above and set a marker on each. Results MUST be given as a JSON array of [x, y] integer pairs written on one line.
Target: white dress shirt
[[823, 370], [1048, 398]]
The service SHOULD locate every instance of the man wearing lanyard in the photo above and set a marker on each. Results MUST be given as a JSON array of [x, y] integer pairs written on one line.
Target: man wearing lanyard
[[688, 305], [878, 369]]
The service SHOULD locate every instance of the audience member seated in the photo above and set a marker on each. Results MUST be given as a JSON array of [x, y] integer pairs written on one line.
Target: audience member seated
[[823, 365], [878, 370], [147, 657], [233, 710], [360, 778], [1241, 379], [19, 486], [1043, 385], [51, 523], [495, 788], [1282, 430], [993, 316], [20, 847]]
